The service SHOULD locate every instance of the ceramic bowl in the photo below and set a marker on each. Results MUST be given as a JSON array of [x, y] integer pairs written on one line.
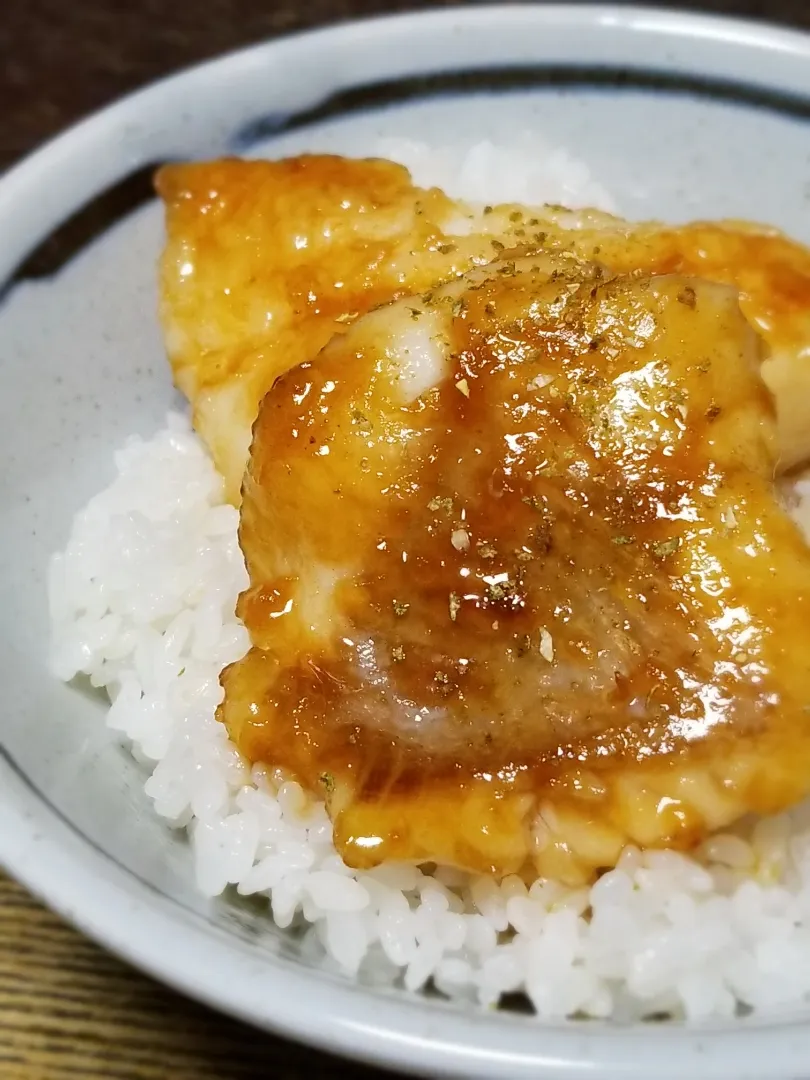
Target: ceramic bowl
[[677, 115]]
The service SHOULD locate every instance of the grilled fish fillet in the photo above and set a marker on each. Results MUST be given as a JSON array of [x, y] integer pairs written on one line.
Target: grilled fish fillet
[[521, 590], [266, 261]]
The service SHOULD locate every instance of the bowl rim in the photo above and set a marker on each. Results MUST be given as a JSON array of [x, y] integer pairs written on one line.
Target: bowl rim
[[41, 849]]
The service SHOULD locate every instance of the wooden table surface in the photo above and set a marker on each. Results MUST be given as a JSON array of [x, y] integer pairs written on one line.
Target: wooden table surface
[[67, 1009]]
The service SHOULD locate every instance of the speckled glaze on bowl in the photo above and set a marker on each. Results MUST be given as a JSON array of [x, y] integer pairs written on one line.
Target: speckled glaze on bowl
[[679, 116]]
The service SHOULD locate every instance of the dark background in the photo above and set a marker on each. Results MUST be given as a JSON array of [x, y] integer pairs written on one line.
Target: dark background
[[59, 60]]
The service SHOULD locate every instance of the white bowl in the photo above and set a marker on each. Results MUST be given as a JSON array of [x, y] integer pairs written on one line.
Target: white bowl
[[679, 116]]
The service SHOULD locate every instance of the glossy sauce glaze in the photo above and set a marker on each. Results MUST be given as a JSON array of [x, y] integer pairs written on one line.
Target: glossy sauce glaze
[[771, 273], [521, 591], [266, 261]]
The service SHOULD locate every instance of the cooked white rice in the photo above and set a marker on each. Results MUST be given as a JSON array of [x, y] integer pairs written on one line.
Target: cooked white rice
[[142, 602], [525, 170]]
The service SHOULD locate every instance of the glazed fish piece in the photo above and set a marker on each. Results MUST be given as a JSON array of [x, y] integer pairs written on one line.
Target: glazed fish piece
[[266, 261], [521, 588]]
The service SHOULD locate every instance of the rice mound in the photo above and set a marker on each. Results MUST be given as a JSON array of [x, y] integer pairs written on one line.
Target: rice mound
[[142, 602]]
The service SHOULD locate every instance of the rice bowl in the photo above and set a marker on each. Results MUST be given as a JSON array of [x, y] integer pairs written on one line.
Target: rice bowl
[[771, 854], [143, 603]]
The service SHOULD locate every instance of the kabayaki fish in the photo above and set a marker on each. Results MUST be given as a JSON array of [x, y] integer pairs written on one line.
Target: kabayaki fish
[[522, 591]]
